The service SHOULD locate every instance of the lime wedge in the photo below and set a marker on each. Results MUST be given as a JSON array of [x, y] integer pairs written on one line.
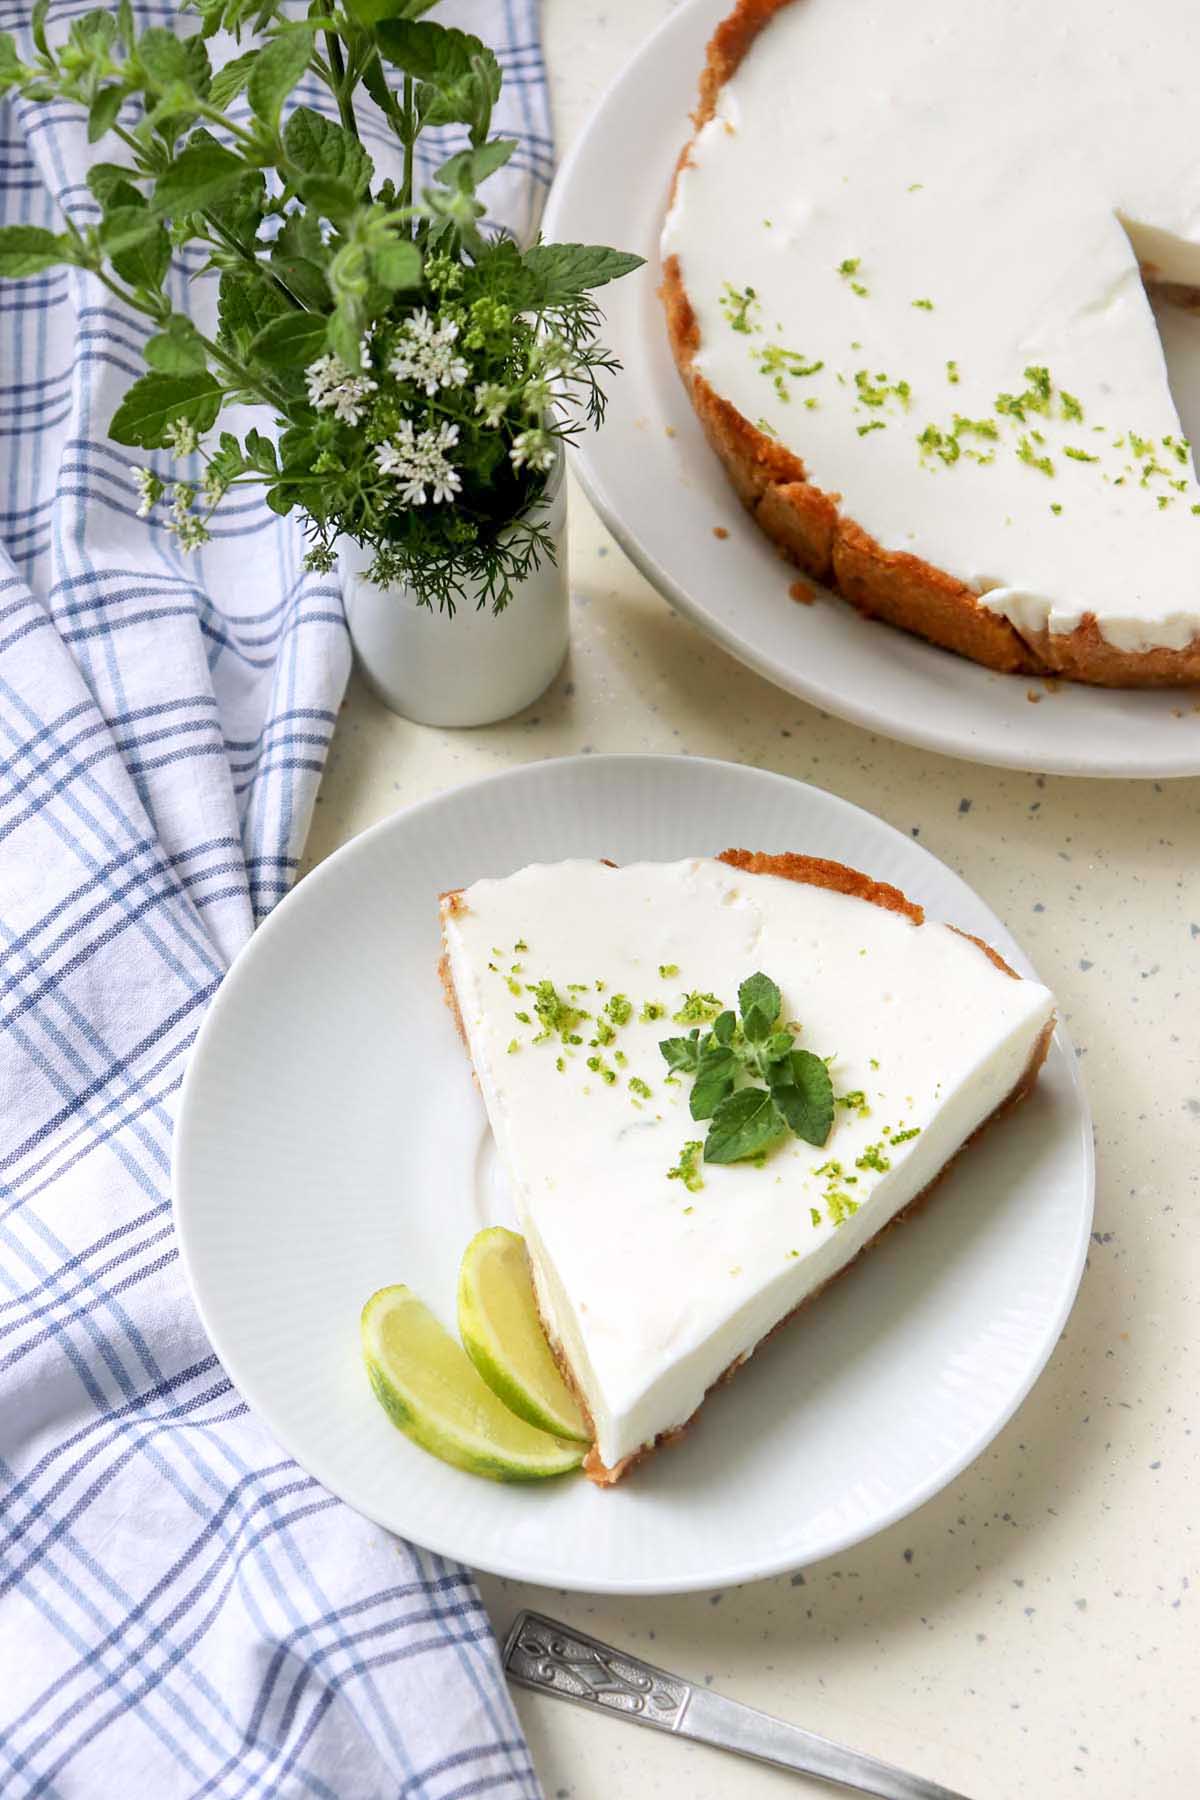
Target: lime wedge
[[428, 1387], [502, 1334]]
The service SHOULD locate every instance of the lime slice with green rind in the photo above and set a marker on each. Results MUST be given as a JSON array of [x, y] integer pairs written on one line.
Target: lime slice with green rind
[[502, 1334], [428, 1386]]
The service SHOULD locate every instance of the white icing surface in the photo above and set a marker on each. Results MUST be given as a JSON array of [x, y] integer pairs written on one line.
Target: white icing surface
[[651, 1289], [1010, 164]]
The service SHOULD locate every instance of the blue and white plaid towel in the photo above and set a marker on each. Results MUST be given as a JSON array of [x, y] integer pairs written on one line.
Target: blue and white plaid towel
[[182, 1610]]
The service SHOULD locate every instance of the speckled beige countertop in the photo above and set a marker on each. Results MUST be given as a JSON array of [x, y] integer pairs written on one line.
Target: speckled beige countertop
[[1033, 1632]]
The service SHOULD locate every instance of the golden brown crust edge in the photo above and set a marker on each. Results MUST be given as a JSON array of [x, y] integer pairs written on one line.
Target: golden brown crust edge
[[805, 522], [842, 879]]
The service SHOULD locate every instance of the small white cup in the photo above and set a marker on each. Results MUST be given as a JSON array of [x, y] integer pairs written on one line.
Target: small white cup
[[478, 666]]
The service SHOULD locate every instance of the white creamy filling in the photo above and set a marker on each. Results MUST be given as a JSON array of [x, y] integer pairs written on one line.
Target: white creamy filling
[[652, 1290], [1009, 166]]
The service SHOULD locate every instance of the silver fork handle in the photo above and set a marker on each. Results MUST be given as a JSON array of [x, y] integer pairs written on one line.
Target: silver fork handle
[[555, 1659]]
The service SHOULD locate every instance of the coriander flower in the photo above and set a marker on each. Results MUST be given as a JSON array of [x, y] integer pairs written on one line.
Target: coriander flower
[[419, 461], [492, 401], [533, 448], [149, 487], [425, 354], [332, 388], [181, 438], [551, 356], [191, 531], [536, 397], [213, 486]]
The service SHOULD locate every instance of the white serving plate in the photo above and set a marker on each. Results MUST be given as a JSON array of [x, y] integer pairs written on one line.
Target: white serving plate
[[660, 490], [331, 1141]]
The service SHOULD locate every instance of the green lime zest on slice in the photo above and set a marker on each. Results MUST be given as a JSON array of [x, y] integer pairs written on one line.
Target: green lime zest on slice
[[431, 1390], [502, 1334]]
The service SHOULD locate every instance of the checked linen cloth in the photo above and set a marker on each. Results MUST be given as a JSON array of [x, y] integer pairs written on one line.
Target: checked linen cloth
[[182, 1610]]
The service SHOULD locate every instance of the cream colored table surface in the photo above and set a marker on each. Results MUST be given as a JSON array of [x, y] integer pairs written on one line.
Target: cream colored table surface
[[1034, 1630]]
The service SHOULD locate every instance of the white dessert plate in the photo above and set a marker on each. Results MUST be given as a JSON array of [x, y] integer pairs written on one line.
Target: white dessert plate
[[661, 491], [331, 1141]]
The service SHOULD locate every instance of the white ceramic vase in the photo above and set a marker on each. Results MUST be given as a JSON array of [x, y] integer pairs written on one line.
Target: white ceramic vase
[[477, 666]]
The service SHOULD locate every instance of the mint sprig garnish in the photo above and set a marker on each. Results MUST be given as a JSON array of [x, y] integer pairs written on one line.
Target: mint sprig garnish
[[750, 1080]]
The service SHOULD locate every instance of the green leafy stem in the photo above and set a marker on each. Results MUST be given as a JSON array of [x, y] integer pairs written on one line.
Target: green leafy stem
[[316, 258]]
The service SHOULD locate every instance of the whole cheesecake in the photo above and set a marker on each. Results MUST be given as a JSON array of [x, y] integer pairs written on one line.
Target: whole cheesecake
[[905, 274]]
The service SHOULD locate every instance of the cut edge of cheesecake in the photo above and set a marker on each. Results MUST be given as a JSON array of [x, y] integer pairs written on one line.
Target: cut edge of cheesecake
[[816, 872], [806, 524]]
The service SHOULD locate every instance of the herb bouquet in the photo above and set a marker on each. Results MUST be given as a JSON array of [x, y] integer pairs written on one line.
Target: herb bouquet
[[422, 374]]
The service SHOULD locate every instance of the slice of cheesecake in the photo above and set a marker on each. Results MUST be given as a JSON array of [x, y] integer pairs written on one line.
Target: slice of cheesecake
[[659, 1267]]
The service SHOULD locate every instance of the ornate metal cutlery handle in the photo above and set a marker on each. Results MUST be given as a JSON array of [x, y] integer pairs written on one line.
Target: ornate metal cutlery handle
[[556, 1659]]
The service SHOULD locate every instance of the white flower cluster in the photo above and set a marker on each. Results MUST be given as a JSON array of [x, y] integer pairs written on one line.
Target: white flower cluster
[[418, 460], [535, 448], [190, 530], [181, 438], [332, 388], [491, 400], [149, 489], [425, 354], [213, 486]]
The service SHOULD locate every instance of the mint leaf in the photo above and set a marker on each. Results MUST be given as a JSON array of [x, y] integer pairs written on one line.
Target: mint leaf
[[745, 1124], [229, 81], [396, 264], [166, 60], [371, 12], [123, 226], [291, 341], [804, 1095], [438, 54], [320, 147], [11, 66], [156, 401], [140, 250], [279, 65], [177, 350], [260, 453], [715, 1077], [564, 271], [239, 208], [332, 199], [298, 256], [102, 114], [28, 249], [682, 1054], [458, 76], [724, 1026], [777, 1046], [95, 30], [199, 174], [37, 25], [468, 168], [199, 68], [244, 305], [756, 1025], [346, 325], [113, 185], [760, 991]]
